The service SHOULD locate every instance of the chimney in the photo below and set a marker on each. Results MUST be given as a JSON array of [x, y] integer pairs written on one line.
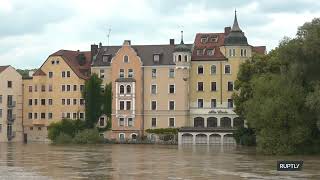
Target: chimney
[[227, 30], [171, 41], [127, 42], [94, 50], [100, 45]]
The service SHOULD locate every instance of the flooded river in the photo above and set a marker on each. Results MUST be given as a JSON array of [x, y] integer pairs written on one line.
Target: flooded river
[[44, 161]]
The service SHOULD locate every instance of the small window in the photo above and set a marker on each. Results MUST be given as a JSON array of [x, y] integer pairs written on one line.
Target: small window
[[130, 73], [68, 88], [75, 88], [63, 74], [121, 121], [57, 62], [213, 69], [156, 57], [121, 75], [200, 69], [30, 88], [81, 88], [213, 103], [30, 102], [153, 105], [29, 115], [35, 101], [179, 58], [43, 115], [213, 86], [230, 103], [153, 89], [204, 40], [68, 73], [171, 122], [74, 101], [39, 128], [50, 74], [227, 69], [0, 99], [171, 105], [50, 102], [154, 122], [154, 73], [52, 62], [121, 89], [230, 86], [171, 88], [50, 88], [49, 115], [121, 105], [210, 52], [185, 58], [200, 86], [9, 84], [35, 88], [125, 59], [81, 115], [43, 88], [63, 101], [75, 116], [130, 122], [128, 89], [35, 115], [101, 73], [200, 103], [171, 73], [68, 101], [128, 105], [43, 102], [199, 52], [243, 52], [82, 102]]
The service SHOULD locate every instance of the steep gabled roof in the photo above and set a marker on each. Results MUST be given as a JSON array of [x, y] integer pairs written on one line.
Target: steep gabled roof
[[72, 59], [39, 72], [208, 45], [259, 49], [2, 68]]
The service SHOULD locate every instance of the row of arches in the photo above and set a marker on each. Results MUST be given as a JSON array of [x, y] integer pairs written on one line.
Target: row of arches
[[205, 138], [225, 122]]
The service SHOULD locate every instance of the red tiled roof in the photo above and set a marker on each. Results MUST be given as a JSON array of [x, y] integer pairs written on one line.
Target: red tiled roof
[[259, 49], [71, 59], [2, 68], [198, 45], [39, 72]]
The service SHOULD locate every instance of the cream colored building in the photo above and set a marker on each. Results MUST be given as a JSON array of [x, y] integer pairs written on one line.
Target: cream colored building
[[54, 92], [10, 105]]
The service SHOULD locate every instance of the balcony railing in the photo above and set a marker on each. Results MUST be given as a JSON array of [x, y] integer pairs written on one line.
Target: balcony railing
[[11, 104], [11, 117]]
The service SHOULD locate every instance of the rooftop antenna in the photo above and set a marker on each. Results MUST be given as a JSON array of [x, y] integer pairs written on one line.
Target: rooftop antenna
[[108, 35]]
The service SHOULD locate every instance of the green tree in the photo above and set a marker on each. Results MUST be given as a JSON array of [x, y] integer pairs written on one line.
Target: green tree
[[107, 104], [93, 100]]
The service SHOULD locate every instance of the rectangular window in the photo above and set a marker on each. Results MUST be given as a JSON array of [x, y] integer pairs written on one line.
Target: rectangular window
[[153, 89], [43, 102], [0, 128], [154, 122], [130, 73], [81, 88], [30, 88], [156, 57], [230, 86], [63, 74], [50, 88], [121, 75], [82, 102], [121, 121], [153, 105], [204, 40], [200, 69], [50, 102], [154, 73], [0, 99], [68, 73], [171, 122], [171, 105], [35, 115], [130, 122], [74, 101], [74, 87], [49, 115], [200, 86], [213, 103], [63, 101], [213, 86], [63, 88], [43, 88], [101, 73], [9, 84], [233, 52], [30, 102], [199, 52], [75, 116], [81, 115], [68, 88], [227, 69], [171, 73], [171, 89], [35, 88], [0, 113], [200, 103], [230, 103], [128, 105], [210, 52], [35, 102], [68, 101], [68, 115], [121, 105], [29, 115], [43, 115], [50, 74]]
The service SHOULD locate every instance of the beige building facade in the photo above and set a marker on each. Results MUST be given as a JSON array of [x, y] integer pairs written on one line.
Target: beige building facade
[[10, 105]]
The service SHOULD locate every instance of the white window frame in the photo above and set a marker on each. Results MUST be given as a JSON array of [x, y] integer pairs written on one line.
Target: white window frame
[[211, 69], [174, 122], [232, 86], [126, 105], [174, 73], [202, 69], [156, 122], [224, 69], [124, 136], [151, 88], [127, 120], [211, 86], [174, 88], [174, 105], [123, 58], [198, 86], [156, 105], [132, 74], [198, 103], [124, 121]]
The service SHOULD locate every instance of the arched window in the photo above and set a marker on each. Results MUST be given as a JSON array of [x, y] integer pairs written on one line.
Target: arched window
[[121, 89], [179, 58], [185, 58], [125, 59], [128, 89], [213, 69]]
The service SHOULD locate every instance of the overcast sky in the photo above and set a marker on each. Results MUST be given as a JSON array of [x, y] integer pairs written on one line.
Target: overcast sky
[[30, 32]]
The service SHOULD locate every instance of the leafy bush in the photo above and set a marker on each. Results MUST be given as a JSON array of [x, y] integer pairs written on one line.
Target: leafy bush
[[63, 138], [88, 136], [65, 126], [245, 136], [163, 131]]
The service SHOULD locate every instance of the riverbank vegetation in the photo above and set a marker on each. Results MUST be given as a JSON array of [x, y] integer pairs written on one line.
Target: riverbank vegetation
[[279, 95]]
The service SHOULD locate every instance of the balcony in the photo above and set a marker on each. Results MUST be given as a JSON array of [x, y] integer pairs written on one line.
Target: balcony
[[11, 117], [39, 122], [11, 104]]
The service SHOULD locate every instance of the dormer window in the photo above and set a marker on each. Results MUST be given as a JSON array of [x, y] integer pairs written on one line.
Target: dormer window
[[156, 57], [210, 52], [125, 59], [199, 52], [204, 40], [214, 39], [106, 58]]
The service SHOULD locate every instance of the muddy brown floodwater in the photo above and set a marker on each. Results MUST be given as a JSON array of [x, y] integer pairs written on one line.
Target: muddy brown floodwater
[[45, 161]]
